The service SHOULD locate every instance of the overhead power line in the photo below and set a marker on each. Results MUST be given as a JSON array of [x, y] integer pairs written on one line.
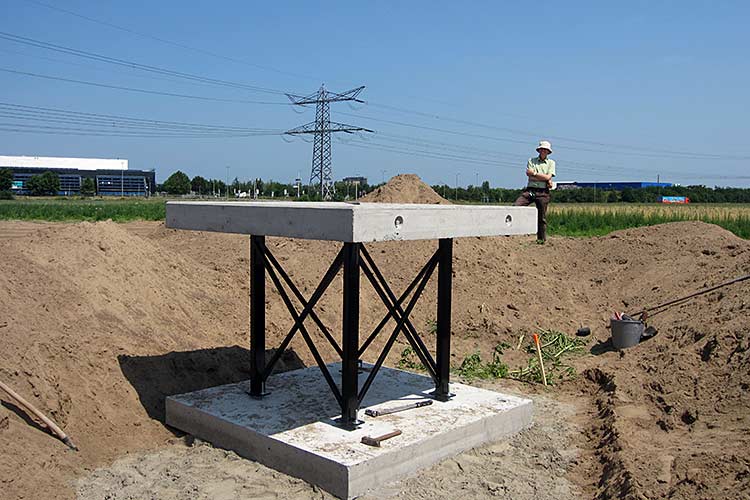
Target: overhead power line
[[138, 90], [663, 152], [170, 42], [526, 142], [134, 65], [650, 152], [35, 119], [484, 162], [117, 119]]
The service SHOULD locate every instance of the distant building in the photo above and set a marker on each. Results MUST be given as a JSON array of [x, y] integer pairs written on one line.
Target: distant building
[[355, 180], [618, 186], [680, 200], [111, 177]]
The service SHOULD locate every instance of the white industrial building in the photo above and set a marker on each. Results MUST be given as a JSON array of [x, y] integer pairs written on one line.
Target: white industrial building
[[111, 176]]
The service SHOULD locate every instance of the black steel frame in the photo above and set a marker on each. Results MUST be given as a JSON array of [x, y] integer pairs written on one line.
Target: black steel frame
[[355, 261]]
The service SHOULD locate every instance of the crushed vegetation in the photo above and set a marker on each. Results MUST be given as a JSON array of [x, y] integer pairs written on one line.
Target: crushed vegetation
[[554, 346]]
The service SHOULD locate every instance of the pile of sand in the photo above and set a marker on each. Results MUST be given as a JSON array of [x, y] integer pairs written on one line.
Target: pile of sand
[[101, 321], [405, 188]]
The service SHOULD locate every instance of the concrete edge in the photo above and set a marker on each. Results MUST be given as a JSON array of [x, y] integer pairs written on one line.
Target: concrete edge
[[362, 479], [323, 472]]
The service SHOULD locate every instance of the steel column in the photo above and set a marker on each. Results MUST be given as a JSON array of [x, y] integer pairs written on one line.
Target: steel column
[[257, 315], [444, 299], [350, 336]]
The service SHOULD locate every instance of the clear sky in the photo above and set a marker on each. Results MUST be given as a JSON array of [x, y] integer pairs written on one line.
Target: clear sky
[[625, 91]]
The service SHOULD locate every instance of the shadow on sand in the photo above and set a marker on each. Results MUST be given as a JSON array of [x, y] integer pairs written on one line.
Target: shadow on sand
[[156, 377]]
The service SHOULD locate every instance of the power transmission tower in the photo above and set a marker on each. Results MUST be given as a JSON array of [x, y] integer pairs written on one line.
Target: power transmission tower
[[321, 174]]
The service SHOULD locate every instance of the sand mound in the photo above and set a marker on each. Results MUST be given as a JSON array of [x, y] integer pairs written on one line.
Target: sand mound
[[405, 188], [101, 321]]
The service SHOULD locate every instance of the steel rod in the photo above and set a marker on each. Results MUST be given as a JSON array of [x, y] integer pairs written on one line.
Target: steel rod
[[301, 298], [410, 333], [400, 300], [424, 357], [317, 294], [305, 335], [399, 327]]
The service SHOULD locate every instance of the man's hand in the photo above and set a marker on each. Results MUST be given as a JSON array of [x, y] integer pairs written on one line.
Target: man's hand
[[530, 172]]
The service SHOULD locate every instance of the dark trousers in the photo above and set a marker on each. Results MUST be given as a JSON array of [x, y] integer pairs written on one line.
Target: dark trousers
[[540, 198]]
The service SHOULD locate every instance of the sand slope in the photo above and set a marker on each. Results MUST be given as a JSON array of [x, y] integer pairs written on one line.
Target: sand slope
[[100, 321]]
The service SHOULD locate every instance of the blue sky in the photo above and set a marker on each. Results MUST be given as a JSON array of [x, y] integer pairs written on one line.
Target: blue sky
[[624, 91]]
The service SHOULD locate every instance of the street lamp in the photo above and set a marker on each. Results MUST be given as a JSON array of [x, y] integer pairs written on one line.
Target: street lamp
[[456, 185], [227, 182]]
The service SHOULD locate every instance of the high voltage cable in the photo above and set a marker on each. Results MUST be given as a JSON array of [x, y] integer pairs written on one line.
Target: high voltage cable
[[123, 119], [449, 156], [569, 164], [119, 135], [169, 42], [130, 126], [648, 152], [477, 161], [104, 125], [415, 153], [108, 70], [706, 156], [133, 65], [654, 152], [17, 127], [141, 91], [519, 141]]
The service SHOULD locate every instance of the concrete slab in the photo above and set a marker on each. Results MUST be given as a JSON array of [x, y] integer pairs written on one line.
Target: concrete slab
[[350, 222], [284, 430]]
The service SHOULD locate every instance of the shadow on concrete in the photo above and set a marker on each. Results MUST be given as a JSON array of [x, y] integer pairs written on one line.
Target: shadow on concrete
[[296, 399], [156, 377]]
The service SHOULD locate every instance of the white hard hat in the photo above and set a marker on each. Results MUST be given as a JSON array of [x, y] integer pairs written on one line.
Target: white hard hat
[[546, 145]]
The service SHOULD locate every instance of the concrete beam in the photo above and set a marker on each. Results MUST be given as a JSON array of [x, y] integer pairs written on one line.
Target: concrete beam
[[351, 222]]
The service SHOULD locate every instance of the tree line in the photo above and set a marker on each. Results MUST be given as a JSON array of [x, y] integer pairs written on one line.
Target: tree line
[[180, 184], [697, 194], [48, 184]]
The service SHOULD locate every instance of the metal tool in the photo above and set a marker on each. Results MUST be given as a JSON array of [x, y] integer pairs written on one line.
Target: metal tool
[[396, 409], [375, 441]]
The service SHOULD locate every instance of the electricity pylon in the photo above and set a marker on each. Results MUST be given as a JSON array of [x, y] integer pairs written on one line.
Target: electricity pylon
[[321, 174]]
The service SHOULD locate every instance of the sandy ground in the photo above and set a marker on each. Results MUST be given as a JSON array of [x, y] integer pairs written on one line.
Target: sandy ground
[[530, 465], [100, 322]]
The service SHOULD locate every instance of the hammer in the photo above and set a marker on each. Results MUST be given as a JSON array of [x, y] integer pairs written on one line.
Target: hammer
[[375, 441]]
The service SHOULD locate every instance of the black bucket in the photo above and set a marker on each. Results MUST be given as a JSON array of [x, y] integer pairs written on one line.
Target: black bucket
[[626, 332]]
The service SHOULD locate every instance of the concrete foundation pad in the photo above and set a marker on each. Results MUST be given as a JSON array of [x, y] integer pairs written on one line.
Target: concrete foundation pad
[[285, 431]]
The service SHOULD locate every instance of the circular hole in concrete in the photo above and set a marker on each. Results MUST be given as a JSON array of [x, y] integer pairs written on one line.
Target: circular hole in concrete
[[398, 222], [508, 220]]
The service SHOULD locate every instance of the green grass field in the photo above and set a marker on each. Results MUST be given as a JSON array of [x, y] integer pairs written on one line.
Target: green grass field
[[600, 219], [564, 219], [67, 209]]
